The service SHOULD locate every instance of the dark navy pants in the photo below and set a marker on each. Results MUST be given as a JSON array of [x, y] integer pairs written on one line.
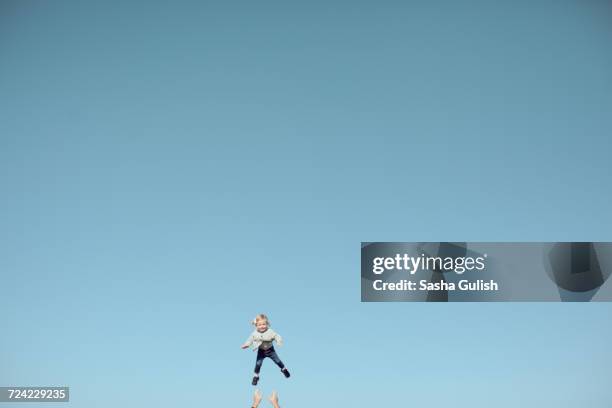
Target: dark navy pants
[[270, 353]]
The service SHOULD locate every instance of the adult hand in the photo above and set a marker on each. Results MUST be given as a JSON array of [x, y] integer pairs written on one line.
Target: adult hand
[[256, 398], [274, 399]]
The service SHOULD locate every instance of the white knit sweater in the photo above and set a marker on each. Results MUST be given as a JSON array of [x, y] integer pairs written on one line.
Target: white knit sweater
[[263, 340]]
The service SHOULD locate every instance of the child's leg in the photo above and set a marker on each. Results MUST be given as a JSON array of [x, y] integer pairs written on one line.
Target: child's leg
[[260, 358], [272, 354], [258, 362]]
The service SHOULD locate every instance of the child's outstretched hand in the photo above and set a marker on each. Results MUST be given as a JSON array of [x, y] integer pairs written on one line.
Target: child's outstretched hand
[[244, 346]]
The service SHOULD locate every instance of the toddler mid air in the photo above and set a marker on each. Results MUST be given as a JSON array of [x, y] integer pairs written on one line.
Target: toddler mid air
[[262, 340]]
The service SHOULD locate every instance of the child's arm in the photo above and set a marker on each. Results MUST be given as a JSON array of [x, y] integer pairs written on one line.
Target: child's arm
[[278, 338], [248, 342]]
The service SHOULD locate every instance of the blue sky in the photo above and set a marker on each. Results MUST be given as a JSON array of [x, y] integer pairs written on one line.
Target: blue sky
[[170, 170]]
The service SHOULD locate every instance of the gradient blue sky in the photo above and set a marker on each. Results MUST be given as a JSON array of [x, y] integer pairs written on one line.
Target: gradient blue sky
[[168, 170]]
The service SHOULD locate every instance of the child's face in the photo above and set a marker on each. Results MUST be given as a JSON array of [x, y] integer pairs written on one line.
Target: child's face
[[262, 325]]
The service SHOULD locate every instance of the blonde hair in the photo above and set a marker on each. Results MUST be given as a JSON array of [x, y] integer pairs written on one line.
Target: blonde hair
[[259, 317]]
